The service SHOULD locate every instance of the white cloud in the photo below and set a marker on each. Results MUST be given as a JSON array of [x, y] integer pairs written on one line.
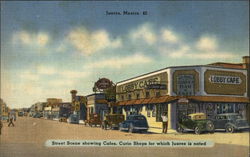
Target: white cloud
[[27, 75], [189, 52], [46, 70], [207, 43], [212, 55], [117, 63], [180, 52], [61, 83], [91, 42], [169, 36], [23, 36], [75, 74], [144, 32], [27, 38], [205, 48], [42, 38]]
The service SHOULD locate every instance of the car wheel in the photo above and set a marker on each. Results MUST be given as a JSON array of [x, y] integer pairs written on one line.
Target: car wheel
[[131, 128], [230, 128], [180, 129], [210, 126], [197, 130], [144, 131]]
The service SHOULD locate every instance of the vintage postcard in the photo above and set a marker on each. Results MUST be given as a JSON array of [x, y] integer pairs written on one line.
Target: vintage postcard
[[125, 78]]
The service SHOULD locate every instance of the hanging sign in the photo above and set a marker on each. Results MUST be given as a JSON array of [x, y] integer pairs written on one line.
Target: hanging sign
[[103, 83]]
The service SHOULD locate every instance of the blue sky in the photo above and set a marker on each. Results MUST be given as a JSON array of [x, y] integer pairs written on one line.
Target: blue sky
[[49, 48]]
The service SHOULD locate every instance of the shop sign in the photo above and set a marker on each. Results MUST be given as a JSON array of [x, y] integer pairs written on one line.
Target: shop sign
[[185, 85], [140, 84], [225, 79], [157, 86], [103, 83]]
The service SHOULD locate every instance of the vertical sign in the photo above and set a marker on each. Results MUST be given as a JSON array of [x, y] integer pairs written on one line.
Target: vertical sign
[[185, 85]]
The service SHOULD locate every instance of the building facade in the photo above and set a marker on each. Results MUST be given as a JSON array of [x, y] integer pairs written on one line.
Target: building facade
[[97, 104], [182, 90], [4, 109]]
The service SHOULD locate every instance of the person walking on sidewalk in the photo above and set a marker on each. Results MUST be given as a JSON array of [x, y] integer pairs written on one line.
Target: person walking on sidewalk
[[11, 121], [164, 122]]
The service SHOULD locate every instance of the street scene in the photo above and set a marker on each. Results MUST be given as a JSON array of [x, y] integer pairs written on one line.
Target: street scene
[[125, 78], [29, 135]]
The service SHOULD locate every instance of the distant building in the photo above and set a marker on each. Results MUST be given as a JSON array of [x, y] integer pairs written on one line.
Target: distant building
[[97, 104], [79, 105], [53, 102], [4, 110]]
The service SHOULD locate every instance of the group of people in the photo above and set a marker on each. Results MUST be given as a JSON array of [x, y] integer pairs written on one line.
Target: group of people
[[11, 123]]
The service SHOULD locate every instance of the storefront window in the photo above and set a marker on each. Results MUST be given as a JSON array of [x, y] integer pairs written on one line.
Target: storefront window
[[157, 94], [129, 96], [138, 96], [225, 108], [160, 108], [147, 95], [154, 111], [148, 113]]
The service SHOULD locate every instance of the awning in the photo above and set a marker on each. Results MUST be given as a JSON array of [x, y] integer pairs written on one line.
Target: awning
[[130, 102], [139, 101], [102, 101], [166, 99], [155, 100], [146, 101]]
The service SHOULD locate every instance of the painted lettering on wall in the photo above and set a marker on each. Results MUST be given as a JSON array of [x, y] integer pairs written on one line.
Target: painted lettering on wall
[[185, 85], [140, 84], [225, 79]]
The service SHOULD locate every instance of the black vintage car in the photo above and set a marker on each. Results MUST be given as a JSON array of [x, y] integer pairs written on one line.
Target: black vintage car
[[196, 122], [134, 123], [231, 122]]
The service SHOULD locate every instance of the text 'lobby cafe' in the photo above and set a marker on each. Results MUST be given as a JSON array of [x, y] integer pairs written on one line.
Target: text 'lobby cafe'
[[183, 90]]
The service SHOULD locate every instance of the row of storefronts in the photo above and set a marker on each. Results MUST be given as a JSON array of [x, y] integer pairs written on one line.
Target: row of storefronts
[[211, 89], [183, 90]]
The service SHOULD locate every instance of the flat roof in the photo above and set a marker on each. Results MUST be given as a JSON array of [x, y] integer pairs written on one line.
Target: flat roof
[[188, 66], [95, 94]]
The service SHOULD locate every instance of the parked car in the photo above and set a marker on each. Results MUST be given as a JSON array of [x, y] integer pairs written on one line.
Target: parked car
[[5, 118], [112, 120], [37, 115], [134, 123], [62, 119], [231, 122], [73, 118], [20, 114], [196, 122], [94, 119]]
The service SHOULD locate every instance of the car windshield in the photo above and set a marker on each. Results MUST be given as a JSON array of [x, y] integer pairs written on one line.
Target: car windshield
[[139, 118], [233, 117]]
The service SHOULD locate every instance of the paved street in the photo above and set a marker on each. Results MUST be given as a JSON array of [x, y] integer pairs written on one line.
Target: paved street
[[27, 139]]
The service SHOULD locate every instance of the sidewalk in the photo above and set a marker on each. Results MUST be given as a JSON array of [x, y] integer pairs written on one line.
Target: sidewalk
[[155, 130]]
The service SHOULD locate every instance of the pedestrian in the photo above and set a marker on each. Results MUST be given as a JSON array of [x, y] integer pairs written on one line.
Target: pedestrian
[[11, 121], [105, 122], [164, 122], [1, 125]]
